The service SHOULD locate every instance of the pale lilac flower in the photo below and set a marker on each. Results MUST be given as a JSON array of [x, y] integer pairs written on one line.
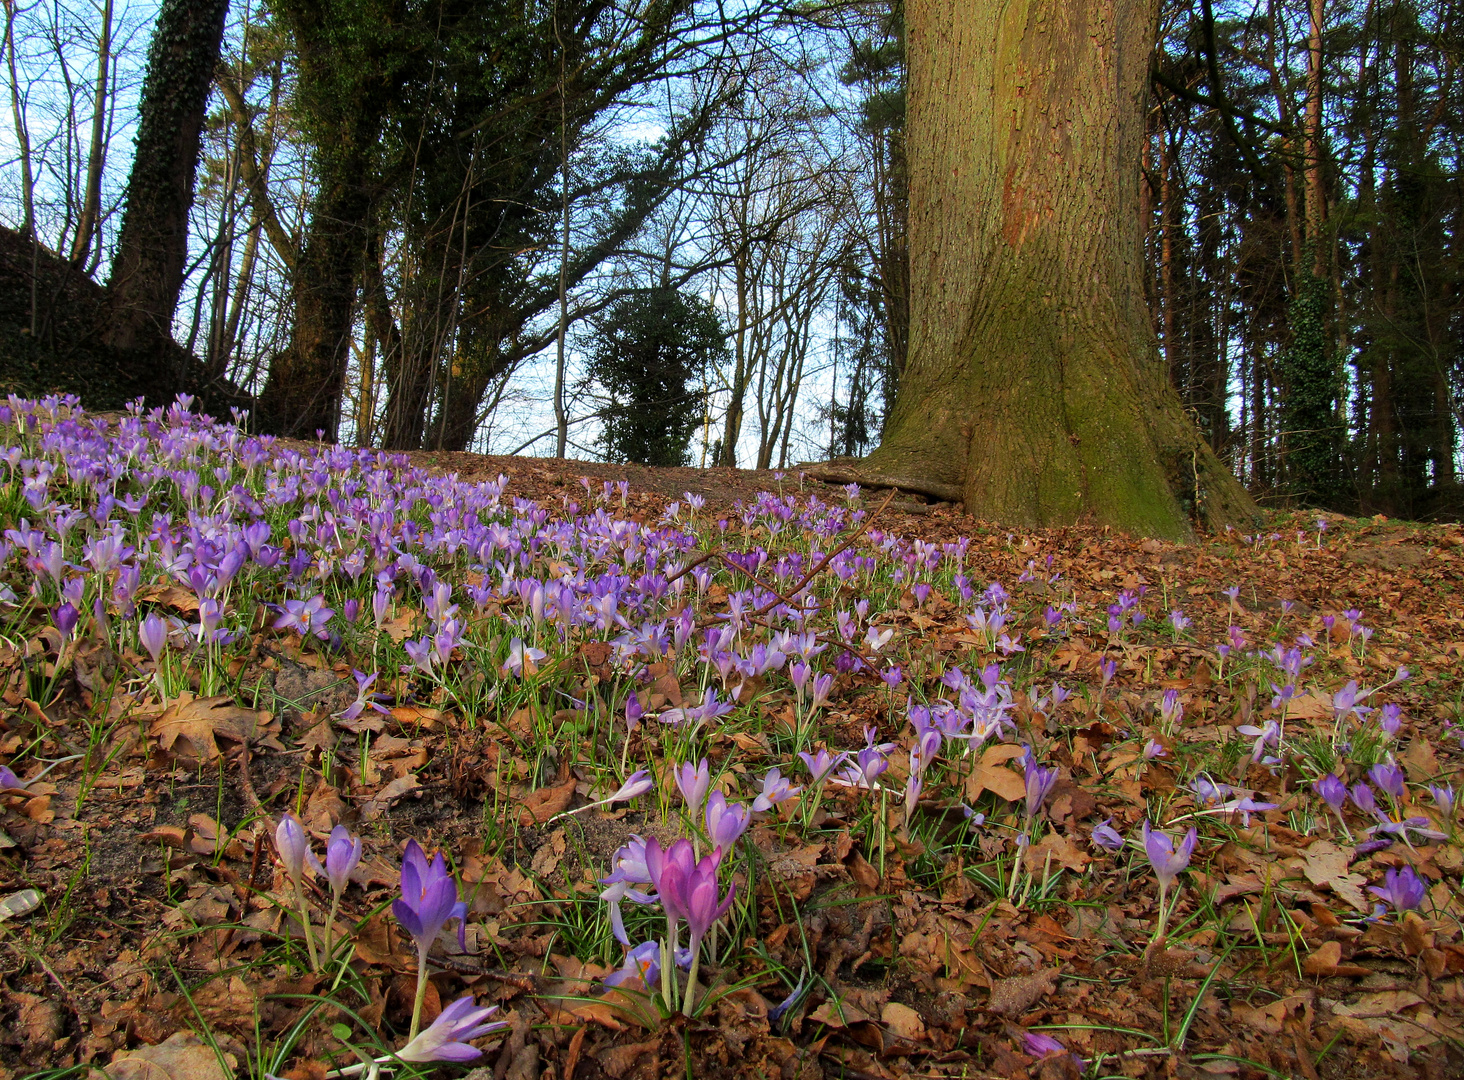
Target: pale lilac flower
[[642, 962], [1270, 735], [1106, 837], [776, 788], [521, 657], [446, 1039], [305, 617], [1039, 1045], [1331, 791], [1390, 778], [1039, 783], [342, 853], [1167, 860], [726, 822], [429, 899], [820, 765], [1390, 717], [153, 633], [693, 782]]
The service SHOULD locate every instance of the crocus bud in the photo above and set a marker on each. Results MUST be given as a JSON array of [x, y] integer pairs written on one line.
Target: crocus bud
[[290, 842]]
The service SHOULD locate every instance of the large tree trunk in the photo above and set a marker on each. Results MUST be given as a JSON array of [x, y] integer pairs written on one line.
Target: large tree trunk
[[1034, 391], [152, 247], [346, 85]]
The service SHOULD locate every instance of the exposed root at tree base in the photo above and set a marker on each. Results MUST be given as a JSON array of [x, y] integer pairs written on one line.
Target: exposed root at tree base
[[855, 471]]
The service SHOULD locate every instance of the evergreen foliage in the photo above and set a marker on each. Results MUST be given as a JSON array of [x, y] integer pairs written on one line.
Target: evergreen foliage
[[652, 348]]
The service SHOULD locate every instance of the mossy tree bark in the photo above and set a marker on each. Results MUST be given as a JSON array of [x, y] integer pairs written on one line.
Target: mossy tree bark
[[351, 60], [152, 247], [1034, 389]]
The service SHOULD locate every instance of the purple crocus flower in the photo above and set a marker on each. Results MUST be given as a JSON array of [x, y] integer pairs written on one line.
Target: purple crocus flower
[[1390, 717], [627, 868], [305, 617], [693, 781], [1039, 782], [820, 765], [1106, 837], [1390, 778], [642, 962], [429, 899], [342, 853], [521, 658], [776, 788], [1168, 863], [153, 633], [1402, 889], [1039, 1045], [1362, 797], [9, 781], [726, 822], [688, 891], [66, 617], [1167, 860], [447, 1037], [293, 847], [1331, 791]]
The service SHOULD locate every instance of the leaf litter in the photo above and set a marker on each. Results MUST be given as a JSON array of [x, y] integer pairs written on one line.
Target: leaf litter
[[916, 911]]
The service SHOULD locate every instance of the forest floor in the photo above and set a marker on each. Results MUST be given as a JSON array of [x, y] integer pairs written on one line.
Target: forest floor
[[1052, 691]]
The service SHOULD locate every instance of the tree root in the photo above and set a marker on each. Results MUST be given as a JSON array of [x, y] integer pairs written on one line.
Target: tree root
[[855, 471]]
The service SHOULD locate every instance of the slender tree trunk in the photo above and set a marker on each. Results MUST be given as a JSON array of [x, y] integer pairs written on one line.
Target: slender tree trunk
[[22, 132], [1315, 188], [91, 206], [152, 247], [1034, 391], [561, 416], [741, 368]]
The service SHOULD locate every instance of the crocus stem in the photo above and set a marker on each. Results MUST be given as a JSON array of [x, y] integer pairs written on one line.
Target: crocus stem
[[335, 904], [577, 810], [1163, 915], [305, 920], [691, 977], [421, 994]]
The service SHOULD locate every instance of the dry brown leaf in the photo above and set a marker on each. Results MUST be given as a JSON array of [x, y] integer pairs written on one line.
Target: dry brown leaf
[[199, 722], [542, 804], [903, 1021], [618, 1061], [991, 775], [1061, 850], [1015, 995], [183, 1056], [174, 596]]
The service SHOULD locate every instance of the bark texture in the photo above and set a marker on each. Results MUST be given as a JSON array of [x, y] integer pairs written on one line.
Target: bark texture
[[152, 247], [348, 80], [1034, 391]]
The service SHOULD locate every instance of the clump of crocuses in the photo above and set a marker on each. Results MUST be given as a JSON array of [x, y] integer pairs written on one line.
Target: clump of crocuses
[[688, 891]]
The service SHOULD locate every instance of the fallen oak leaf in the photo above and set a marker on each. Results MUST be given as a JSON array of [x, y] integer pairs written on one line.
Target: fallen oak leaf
[[1015, 995], [182, 1056], [201, 721], [543, 803], [991, 775]]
